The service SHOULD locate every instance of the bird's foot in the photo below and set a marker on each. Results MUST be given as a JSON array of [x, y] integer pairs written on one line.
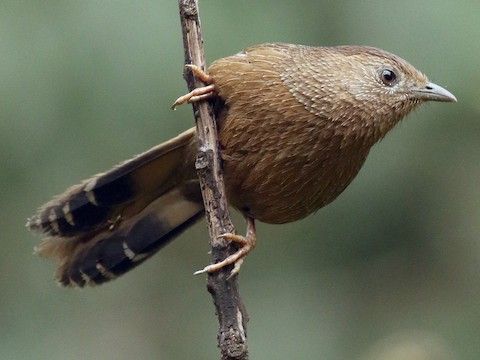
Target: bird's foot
[[198, 94], [247, 244]]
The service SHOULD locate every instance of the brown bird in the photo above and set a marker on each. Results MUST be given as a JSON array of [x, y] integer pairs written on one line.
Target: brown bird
[[296, 124]]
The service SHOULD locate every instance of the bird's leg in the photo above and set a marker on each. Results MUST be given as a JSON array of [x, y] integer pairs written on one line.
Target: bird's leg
[[198, 94], [246, 242]]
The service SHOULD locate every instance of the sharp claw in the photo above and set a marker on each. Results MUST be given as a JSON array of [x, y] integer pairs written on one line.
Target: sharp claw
[[236, 268], [203, 271]]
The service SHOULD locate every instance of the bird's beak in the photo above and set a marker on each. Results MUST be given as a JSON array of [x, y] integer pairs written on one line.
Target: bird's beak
[[434, 92]]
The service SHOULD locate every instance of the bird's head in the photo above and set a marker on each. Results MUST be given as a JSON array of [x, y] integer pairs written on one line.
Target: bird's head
[[375, 89]]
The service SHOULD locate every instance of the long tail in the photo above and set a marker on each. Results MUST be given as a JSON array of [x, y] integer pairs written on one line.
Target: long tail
[[110, 223]]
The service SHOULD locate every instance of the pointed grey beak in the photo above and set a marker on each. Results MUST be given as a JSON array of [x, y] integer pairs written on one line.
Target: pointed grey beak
[[434, 92]]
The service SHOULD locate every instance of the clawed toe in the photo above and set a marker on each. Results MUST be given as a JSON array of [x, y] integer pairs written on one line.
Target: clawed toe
[[198, 94], [199, 73], [247, 243], [195, 95]]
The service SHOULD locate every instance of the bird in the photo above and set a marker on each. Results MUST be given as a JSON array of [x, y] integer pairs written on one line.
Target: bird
[[295, 125]]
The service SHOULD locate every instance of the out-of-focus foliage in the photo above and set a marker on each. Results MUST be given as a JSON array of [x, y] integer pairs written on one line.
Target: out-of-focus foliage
[[86, 84]]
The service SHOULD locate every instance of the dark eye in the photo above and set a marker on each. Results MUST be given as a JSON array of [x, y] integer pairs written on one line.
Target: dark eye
[[388, 77]]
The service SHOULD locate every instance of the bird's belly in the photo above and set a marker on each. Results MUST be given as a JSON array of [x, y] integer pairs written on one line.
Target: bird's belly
[[284, 191]]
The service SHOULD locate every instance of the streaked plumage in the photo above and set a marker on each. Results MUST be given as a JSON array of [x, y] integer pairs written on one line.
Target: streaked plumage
[[296, 124]]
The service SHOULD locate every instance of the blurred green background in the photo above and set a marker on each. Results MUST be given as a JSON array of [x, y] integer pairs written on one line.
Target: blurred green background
[[389, 270]]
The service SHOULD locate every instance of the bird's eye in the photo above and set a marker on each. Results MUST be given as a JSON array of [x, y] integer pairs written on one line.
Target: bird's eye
[[388, 77]]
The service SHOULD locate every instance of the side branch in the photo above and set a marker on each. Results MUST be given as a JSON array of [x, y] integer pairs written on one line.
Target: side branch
[[230, 311]]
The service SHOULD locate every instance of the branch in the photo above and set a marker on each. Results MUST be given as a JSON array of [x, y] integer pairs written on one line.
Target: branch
[[231, 313]]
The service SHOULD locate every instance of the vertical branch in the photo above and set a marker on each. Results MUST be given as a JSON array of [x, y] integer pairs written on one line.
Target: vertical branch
[[232, 317]]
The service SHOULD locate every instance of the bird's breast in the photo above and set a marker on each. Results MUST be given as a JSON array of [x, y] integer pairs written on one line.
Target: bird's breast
[[283, 163]]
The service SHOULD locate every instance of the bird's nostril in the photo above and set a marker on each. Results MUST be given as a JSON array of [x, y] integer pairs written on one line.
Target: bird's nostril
[[428, 87]]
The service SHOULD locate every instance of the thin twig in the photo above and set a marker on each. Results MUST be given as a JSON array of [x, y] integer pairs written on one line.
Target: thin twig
[[232, 316]]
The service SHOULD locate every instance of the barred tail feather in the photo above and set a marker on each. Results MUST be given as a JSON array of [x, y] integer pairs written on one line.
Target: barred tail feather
[[112, 253], [109, 224], [90, 205]]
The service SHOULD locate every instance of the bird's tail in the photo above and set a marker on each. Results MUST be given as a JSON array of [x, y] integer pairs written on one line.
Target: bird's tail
[[109, 224]]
